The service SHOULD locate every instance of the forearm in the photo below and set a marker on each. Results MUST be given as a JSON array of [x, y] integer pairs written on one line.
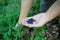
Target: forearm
[[54, 10], [25, 7]]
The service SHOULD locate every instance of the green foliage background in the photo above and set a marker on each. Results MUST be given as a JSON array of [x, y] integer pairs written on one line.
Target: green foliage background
[[9, 13]]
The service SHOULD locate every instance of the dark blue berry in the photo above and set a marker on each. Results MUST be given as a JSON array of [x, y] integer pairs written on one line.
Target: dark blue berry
[[30, 21]]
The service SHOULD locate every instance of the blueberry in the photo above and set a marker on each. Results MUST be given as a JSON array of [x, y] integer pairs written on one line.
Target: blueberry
[[30, 21]]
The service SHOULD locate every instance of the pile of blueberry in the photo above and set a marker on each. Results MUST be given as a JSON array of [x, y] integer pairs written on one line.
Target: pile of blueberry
[[30, 21]]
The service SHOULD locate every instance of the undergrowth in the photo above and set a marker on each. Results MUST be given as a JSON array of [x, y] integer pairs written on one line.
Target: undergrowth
[[9, 14]]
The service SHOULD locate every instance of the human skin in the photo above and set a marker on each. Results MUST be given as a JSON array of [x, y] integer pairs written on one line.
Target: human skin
[[42, 19], [25, 7]]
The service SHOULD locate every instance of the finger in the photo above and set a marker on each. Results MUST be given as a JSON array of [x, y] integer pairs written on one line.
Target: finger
[[25, 23], [31, 25]]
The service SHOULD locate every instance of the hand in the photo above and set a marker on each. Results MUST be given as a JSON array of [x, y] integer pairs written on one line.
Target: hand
[[40, 20]]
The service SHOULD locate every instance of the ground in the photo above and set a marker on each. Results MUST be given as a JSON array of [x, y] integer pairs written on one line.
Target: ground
[[9, 14]]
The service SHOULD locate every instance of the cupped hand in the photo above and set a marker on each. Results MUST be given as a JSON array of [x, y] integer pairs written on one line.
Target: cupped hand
[[40, 20]]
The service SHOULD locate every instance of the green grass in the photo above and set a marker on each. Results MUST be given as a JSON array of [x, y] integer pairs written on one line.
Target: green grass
[[9, 13]]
